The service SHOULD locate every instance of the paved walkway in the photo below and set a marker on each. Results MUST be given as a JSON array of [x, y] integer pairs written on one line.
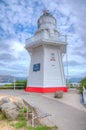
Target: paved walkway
[[71, 98], [64, 116]]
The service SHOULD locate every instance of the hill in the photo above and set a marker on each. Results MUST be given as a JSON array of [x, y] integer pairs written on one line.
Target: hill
[[75, 80], [9, 78]]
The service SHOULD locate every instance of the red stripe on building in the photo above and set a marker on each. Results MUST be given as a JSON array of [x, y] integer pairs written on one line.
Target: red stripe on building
[[45, 90]]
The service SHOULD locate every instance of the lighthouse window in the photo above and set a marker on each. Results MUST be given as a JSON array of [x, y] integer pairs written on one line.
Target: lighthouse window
[[36, 67]]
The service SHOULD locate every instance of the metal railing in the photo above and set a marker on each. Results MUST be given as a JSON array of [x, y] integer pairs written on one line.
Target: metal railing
[[46, 36], [84, 95]]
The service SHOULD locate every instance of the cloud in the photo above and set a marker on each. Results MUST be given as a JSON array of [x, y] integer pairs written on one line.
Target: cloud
[[18, 21], [13, 57]]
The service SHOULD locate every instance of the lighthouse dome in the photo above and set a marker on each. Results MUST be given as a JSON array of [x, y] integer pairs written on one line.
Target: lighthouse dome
[[46, 21]]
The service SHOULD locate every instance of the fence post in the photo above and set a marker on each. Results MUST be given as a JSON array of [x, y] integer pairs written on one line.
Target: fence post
[[14, 84], [33, 118]]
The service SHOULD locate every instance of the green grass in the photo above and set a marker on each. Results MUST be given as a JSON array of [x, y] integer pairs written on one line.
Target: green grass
[[21, 122], [21, 116], [29, 128], [2, 116], [23, 110], [42, 128]]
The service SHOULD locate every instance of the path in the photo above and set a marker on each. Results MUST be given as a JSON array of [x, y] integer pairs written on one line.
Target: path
[[63, 115]]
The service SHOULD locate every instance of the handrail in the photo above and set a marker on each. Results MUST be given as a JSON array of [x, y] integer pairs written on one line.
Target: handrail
[[45, 36]]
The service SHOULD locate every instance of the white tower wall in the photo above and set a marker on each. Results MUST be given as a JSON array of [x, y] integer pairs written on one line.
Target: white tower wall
[[51, 69], [54, 73], [36, 77]]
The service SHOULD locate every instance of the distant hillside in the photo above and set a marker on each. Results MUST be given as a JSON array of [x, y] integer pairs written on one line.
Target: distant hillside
[[8, 78], [74, 80]]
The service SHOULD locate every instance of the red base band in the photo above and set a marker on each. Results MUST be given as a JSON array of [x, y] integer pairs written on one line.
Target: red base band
[[45, 90]]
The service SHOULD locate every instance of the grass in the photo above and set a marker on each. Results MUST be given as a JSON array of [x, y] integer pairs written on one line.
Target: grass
[[24, 110], [42, 128], [21, 122], [2, 116]]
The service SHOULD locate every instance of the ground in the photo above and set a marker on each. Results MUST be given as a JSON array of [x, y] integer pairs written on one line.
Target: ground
[[4, 124], [22, 122], [72, 98], [67, 113]]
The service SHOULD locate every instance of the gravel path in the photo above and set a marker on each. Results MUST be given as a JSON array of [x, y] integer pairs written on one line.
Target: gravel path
[[65, 116]]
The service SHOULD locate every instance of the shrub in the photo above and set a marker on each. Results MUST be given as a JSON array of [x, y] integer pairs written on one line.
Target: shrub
[[18, 85], [2, 116], [82, 83], [71, 86], [58, 94]]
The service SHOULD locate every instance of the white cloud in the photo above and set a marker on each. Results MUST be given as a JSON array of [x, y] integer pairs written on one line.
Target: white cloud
[[70, 16], [14, 58]]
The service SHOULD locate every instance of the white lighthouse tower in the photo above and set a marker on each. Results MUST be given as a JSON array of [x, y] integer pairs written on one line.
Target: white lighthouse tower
[[46, 49]]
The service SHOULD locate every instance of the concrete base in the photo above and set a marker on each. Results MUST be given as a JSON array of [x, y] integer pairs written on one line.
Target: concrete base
[[45, 90]]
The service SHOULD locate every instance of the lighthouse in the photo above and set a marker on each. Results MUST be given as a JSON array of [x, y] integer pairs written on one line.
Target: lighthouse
[[46, 49]]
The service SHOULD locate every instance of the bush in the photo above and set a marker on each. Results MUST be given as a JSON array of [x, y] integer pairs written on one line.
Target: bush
[[71, 86], [18, 85], [21, 84], [2, 116], [82, 83], [58, 94]]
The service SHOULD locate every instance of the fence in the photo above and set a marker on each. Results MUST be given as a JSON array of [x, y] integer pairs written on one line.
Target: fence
[[12, 86], [84, 95]]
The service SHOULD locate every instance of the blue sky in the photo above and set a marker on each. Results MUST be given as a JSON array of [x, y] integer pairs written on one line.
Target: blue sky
[[18, 21]]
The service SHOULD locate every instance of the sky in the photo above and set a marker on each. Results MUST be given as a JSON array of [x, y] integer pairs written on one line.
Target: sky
[[18, 21]]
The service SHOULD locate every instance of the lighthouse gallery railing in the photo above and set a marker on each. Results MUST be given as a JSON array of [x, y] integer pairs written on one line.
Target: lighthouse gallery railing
[[45, 36]]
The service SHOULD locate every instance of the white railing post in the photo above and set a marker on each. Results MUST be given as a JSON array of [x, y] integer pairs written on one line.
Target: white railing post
[[84, 95], [14, 84], [33, 123]]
